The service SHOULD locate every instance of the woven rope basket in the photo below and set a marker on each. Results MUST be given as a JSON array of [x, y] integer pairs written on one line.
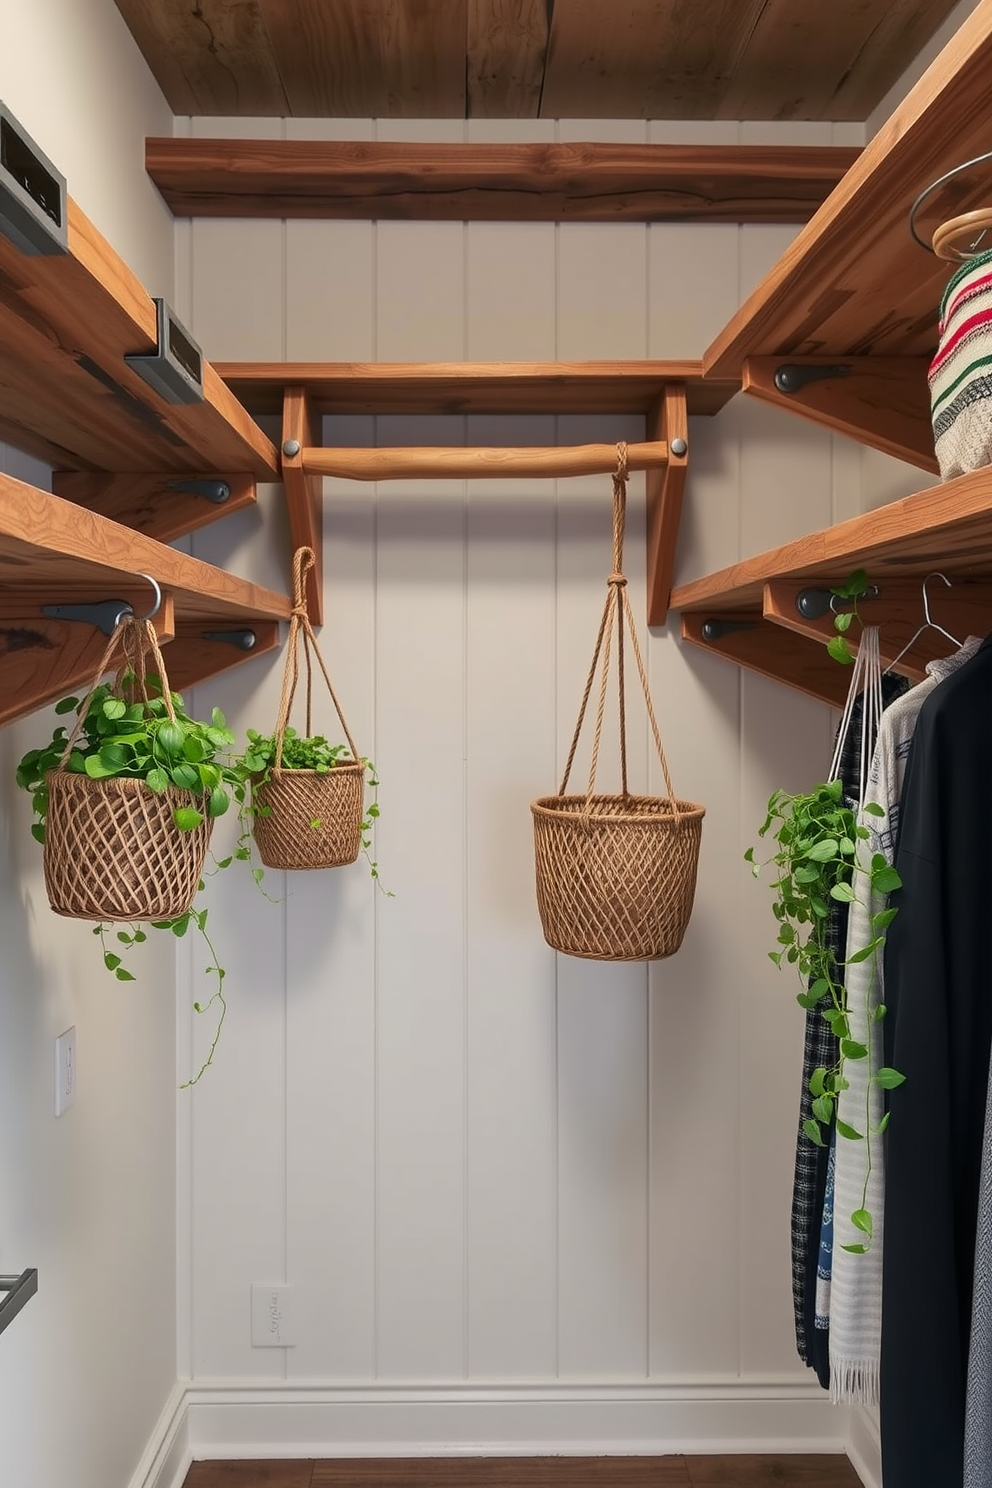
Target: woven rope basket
[[616, 874], [310, 818], [314, 818], [113, 851]]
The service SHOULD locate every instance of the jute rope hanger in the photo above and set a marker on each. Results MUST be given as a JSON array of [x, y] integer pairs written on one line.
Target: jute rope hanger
[[617, 606], [300, 629]]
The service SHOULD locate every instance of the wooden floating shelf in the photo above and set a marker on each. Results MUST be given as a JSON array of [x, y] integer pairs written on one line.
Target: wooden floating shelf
[[475, 387], [586, 182], [66, 393], [853, 285], [52, 552], [742, 612]]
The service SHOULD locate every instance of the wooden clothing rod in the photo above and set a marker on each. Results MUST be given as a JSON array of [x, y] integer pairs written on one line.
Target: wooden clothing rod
[[465, 463]]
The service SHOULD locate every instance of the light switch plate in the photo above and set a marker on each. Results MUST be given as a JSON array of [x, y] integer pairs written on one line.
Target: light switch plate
[[272, 1317]]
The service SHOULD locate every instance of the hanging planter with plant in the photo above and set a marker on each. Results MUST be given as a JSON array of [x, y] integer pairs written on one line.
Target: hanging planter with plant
[[307, 795], [616, 874]]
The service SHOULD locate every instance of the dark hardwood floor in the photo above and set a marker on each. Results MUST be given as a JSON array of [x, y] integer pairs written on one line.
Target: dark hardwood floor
[[532, 1472]]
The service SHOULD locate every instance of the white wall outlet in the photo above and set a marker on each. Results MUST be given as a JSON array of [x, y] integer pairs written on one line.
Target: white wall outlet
[[65, 1070], [272, 1317]]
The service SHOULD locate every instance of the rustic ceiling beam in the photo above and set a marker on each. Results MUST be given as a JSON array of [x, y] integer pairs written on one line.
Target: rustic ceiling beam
[[586, 182]]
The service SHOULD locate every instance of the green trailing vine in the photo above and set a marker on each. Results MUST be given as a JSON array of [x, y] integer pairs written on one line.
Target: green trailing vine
[[139, 740], [854, 587]]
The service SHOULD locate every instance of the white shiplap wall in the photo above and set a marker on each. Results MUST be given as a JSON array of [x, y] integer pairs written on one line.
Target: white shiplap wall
[[481, 1167]]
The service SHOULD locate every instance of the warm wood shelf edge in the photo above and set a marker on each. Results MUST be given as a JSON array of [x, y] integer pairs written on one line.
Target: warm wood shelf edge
[[932, 129], [886, 535], [476, 387], [494, 182], [91, 308], [52, 542]]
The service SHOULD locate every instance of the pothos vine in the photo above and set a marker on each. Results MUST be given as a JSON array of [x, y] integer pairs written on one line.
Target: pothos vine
[[817, 862]]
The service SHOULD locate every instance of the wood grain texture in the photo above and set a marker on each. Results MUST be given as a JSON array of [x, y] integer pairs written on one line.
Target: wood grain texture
[[853, 282], [153, 504], [369, 58], [304, 494], [947, 527], [505, 53], [66, 324], [665, 491], [586, 182], [883, 402], [743, 1471], [476, 462], [444, 59], [475, 387], [769, 650]]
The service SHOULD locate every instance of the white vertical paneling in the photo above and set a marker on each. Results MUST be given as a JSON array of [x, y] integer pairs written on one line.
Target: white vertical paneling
[[786, 481], [510, 973], [330, 271], [421, 946], [510, 265], [420, 278], [238, 274], [330, 975], [602, 282]]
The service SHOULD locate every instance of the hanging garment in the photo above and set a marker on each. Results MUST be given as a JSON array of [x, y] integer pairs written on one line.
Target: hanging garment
[[820, 1052], [856, 1282], [937, 1032], [978, 1396]]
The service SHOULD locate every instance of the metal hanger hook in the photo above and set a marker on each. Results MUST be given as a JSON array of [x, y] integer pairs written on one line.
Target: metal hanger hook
[[158, 597], [926, 599]]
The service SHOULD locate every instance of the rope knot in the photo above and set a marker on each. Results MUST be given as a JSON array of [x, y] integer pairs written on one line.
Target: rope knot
[[617, 578]]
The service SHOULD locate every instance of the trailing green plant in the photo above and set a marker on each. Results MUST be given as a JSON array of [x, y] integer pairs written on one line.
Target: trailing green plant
[[258, 761], [138, 739], [854, 587], [815, 861]]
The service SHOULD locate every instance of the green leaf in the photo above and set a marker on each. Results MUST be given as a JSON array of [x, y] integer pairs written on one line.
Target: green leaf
[[186, 776], [838, 648], [110, 961], [96, 769], [842, 622], [864, 952], [872, 808], [157, 780], [883, 919], [812, 1130], [856, 1248], [849, 1132], [889, 1079], [218, 801], [123, 975], [851, 1049], [822, 851], [843, 893], [114, 708], [883, 1123], [879, 1013], [187, 818], [884, 880], [816, 1082], [171, 737], [38, 831], [861, 1220], [823, 1109]]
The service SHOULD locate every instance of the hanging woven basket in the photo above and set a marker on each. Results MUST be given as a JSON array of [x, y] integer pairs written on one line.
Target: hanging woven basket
[[307, 818], [616, 874], [112, 849]]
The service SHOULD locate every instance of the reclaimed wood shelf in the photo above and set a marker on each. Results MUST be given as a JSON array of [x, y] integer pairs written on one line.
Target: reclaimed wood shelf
[[666, 393], [748, 612], [853, 289], [53, 553], [585, 182]]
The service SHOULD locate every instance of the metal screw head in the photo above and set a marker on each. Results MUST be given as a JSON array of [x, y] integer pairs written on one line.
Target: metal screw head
[[678, 446], [291, 447]]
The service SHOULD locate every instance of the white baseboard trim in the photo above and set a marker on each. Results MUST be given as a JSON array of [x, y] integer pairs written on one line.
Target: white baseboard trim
[[167, 1457], [864, 1447], [291, 1420], [214, 1419]]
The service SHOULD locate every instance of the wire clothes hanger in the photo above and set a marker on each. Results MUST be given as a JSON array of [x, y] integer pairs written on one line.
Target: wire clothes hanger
[[970, 226], [929, 623]]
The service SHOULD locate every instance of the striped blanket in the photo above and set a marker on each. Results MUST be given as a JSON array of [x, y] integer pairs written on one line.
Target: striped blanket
[[961, 372]]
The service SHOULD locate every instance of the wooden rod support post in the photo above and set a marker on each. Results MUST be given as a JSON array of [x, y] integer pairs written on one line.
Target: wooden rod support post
[[303, 485], [668, 423], [468, 463]]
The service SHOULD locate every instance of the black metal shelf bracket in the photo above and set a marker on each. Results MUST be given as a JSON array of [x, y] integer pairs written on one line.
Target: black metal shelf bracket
[[19, 1290]]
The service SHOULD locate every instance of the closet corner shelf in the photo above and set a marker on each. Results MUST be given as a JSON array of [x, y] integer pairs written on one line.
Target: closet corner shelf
[[53, 554], [748, 612], [665, 392], [853, 289]]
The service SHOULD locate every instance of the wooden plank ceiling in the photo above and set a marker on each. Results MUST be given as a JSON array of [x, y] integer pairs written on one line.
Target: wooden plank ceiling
[[530, 59]]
